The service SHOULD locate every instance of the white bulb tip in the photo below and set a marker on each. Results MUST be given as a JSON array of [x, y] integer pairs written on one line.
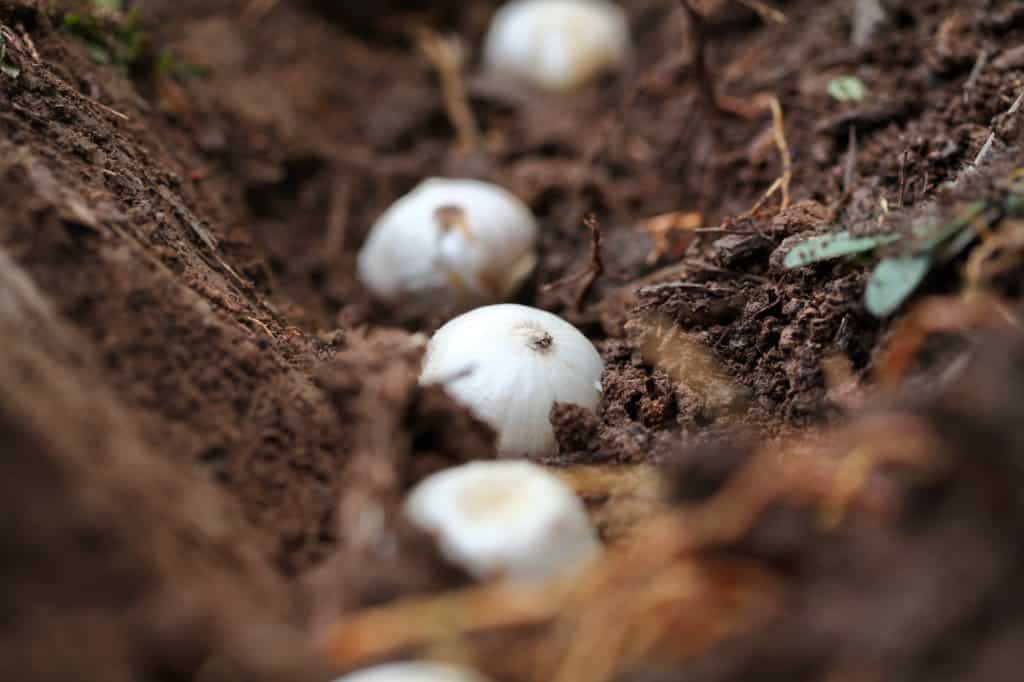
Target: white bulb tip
[[508, 519], [557, 45], [523, 361], [413, 671]]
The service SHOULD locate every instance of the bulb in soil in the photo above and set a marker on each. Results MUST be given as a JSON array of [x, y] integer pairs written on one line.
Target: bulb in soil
[[557, 44], [508, 364], [449, 245], [507, 519], [413, 671]]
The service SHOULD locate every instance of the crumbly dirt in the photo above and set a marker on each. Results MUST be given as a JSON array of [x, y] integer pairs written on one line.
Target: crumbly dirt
[[208, 426]]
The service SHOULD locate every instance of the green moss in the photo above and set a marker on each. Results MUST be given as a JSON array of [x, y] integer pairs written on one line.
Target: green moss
[[119, 40], [113, 36]]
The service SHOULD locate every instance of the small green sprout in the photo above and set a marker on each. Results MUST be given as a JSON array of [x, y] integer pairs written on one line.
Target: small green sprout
[[829, 246], [847, 89], [892, 281], [928, 244]]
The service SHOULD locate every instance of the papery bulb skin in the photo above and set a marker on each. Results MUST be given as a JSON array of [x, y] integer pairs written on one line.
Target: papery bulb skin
[[508, 364], [557, 45], [449, 245]]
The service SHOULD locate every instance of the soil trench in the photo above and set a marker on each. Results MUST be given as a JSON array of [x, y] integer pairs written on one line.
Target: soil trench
[[208, 426]]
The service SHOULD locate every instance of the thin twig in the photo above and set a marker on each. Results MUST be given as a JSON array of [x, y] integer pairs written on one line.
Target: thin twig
[[903, 176], [28, 43], [337, 220], [101, 105], [725, 230], [769, 193], [781, 183], [851, 161], [765, 11], [74, 91], [715, 103], [780, 142], [702, 72], [972, 79], [983, 152], [448, 57], [992, 136], [766, 307], [591, 272], [261, 325], [109, 110], [677, 286]]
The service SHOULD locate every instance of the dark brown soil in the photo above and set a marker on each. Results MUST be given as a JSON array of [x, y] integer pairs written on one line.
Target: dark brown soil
[[201, 407]]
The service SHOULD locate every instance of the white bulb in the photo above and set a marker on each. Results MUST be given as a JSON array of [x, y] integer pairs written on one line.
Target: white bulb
[[557, 44], [509, 519], [413, 671], [449, 244], [508, 364]]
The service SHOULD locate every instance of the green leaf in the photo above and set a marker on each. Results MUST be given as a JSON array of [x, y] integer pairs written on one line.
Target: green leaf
[[847, 89], [835, 245], [966, 217], [958, 243], [108, 5], [893, 280]]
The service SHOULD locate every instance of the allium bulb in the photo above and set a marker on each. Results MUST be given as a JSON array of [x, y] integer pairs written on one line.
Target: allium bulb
[[449, 245], [557, 44], [508, 364], [507, 519], [413, 671]]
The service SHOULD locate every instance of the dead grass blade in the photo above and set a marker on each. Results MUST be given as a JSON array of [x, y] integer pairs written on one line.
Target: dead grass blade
[[672, 233], [447, 54], [686, 360]]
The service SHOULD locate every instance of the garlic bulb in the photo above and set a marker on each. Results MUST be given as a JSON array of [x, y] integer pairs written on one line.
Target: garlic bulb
[[413, 671], [508, 518], [557, 44], [450, 244], [508, 364]]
